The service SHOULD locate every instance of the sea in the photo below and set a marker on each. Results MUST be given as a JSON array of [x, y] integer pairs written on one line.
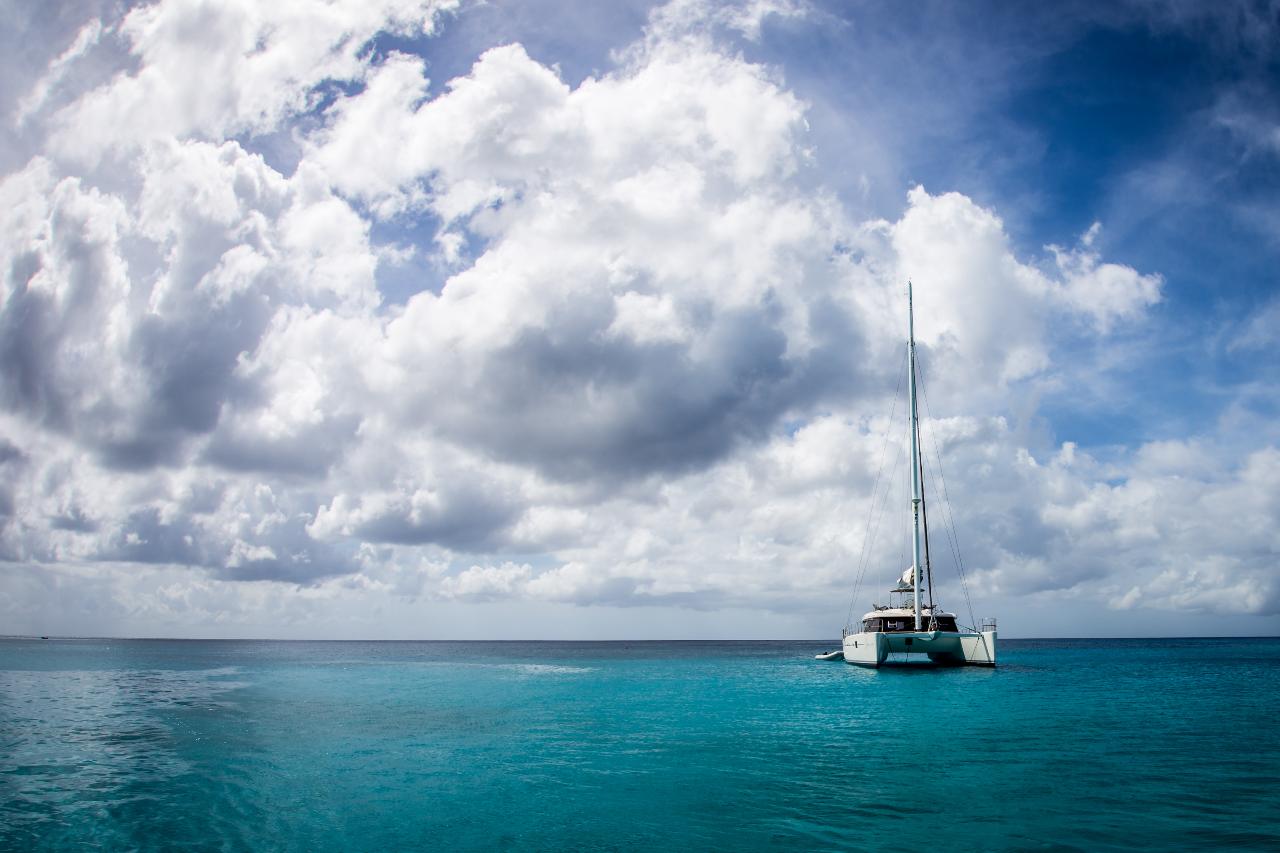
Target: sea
[[1083, 745]]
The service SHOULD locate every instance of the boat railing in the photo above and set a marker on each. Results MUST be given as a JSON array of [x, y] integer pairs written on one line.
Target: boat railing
[[988, 624]]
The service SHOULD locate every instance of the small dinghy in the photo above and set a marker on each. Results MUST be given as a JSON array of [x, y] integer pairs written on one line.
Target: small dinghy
[[836, 655]]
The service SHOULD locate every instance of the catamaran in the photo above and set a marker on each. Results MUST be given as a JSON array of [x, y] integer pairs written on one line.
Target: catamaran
[[910, 626]]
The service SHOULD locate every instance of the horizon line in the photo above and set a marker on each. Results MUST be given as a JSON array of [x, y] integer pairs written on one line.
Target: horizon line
[[52, 637]]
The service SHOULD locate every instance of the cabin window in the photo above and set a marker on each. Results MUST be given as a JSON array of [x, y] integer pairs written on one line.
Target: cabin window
[[907, 623], [889, 623]]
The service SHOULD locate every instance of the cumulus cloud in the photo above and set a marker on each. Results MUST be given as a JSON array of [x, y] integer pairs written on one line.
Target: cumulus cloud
[[1188, 535], [268, 61], [1102, 292], [988, 313], [642, 300], [654, 371], [480, 583]]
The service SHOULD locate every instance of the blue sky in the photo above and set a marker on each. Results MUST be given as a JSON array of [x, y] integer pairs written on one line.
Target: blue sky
[[424, 318], [1080, 113]]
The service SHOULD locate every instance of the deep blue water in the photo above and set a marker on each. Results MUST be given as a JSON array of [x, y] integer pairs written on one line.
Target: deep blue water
[[207, 745]]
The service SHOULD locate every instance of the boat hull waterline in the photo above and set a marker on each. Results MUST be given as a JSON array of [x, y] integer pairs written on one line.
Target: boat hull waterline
[[949, 648]]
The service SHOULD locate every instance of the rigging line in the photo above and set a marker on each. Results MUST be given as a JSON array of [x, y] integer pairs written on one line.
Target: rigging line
[[953, 533], [924, 517], [888, 493], [906, 533], [864, 559], [948, 527], [953, 539]]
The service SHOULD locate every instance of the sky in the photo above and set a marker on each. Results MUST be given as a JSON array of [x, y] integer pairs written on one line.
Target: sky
[[436, 319]]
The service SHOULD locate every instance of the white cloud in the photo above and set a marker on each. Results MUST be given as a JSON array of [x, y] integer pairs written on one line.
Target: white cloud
[[511, 130], [1260, 331], [647, 319], [1103, 292], [638, 225], [683, 18], [214, 71], [1187, 534], [486, 582], [85, 39], [986, 312]]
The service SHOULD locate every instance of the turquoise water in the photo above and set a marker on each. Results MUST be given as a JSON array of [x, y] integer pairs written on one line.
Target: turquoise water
[[1069, 745]]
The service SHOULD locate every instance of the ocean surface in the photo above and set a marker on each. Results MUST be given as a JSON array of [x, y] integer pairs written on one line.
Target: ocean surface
[[346, 746]]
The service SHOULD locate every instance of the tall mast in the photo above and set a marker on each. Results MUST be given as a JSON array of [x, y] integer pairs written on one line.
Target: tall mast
[[915, 457]]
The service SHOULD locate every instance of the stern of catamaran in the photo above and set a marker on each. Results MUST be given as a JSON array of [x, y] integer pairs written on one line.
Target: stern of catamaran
[[887, 637]]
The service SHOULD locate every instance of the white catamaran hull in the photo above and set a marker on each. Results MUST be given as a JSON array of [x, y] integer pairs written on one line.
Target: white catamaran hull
[[941, 647]]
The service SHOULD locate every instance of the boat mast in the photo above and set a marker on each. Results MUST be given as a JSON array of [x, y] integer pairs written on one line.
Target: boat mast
[[915, 457]]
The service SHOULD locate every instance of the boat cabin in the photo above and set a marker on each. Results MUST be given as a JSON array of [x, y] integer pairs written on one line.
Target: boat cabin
[[889, 623]]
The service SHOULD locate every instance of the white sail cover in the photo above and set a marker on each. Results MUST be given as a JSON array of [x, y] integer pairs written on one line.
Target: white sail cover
[[908, 577]]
